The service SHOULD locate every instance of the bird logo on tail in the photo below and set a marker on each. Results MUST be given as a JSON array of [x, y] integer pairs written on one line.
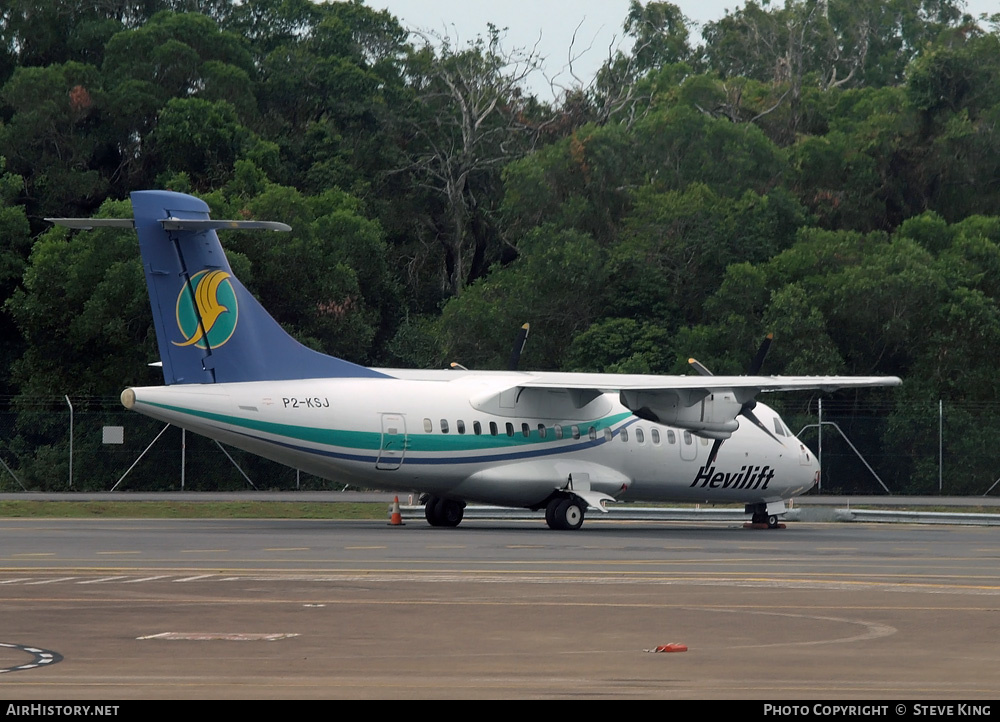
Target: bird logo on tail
[[207, 310]]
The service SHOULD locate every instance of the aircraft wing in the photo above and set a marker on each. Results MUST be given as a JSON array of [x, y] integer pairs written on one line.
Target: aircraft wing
[[709, 384], [706, 405]]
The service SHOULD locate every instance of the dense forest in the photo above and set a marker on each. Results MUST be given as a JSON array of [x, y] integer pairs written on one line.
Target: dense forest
[[824, 170]]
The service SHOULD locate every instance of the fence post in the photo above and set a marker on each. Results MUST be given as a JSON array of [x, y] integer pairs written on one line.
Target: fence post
[[70, 442], [940, 446]]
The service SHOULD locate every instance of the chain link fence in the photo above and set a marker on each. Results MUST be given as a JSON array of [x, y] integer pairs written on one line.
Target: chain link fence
[[93, 444], [90, 445]]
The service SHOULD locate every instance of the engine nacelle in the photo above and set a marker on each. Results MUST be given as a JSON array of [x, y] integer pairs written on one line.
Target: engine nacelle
[[712, 415]]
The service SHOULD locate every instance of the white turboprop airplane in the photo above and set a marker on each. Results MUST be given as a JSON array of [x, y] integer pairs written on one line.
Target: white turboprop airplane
[[562, 442]]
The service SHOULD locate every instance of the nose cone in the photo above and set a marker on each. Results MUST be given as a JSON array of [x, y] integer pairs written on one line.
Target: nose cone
[[128, 398], [810, 467]]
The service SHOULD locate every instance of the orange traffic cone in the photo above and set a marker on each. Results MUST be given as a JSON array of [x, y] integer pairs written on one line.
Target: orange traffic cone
[[395, 517]]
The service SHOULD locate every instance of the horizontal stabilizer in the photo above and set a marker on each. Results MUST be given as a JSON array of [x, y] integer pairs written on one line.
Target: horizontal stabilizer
[[89, 224], [188, 224], [171, 224]]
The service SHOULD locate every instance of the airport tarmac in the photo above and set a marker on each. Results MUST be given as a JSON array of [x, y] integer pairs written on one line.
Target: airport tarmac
[[112, 610]]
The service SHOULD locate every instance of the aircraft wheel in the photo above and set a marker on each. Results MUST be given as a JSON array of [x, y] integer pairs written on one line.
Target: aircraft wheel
[[432, 509], [443, 512], [450, 513], [550, 513], [772, 522], [569, 515]]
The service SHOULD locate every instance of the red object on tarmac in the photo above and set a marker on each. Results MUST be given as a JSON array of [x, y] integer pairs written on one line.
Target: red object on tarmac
[[672, 647], [395, 516]]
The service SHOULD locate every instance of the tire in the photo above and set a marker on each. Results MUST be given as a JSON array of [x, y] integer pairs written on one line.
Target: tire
[[569, 514], [450, 513], [432, 511], [550, 513]]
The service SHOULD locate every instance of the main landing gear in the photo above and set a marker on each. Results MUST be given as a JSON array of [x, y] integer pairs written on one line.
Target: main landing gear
[[443, 512], [564, 513]]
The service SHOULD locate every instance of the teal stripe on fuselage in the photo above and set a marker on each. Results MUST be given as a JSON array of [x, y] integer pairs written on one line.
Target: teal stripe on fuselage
[[419, 443], [362, 440]]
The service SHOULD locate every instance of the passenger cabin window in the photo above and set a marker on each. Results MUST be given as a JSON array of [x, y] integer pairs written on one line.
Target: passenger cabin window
[[493, 428], [460, 426], [592, 433], [671, 437], [608, 434], [624, 435], [639, 437], [510, 429], [654, 436], [559, 432], [541, 431], [444, 426], [688, 440], [525, 430], [428, 426], [576, 431], [477, 428]]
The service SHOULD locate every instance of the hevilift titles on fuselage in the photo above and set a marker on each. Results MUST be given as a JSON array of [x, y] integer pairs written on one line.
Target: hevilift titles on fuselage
[[554, 441]]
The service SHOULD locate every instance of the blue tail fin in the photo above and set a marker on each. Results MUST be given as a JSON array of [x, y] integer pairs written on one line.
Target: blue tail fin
[[209, 328]]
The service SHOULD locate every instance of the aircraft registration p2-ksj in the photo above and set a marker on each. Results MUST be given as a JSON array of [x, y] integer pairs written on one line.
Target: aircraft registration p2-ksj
[[562, 442]]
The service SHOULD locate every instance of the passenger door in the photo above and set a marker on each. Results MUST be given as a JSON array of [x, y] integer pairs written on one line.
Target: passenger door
[[392, 449]]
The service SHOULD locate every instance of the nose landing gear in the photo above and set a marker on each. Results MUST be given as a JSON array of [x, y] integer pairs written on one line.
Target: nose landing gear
[[761, 519]]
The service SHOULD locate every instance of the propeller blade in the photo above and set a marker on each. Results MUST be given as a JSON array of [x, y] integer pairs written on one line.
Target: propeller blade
[[747, 411], [515, 353], [715, 451], [699, 367], [758, 360]]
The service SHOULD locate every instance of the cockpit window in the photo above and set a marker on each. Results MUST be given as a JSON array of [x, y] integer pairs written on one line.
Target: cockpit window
[[779, 428]]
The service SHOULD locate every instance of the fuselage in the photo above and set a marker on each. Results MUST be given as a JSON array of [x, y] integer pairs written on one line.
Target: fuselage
[[477, 436]]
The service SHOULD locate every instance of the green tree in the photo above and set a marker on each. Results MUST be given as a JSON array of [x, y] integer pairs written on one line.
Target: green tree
[[554, 285], [580, 182], [469, 121], [676, 245], [50, 138], [14, 250], [329, 283], [621, 345], [660, 32], [204, 140]]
